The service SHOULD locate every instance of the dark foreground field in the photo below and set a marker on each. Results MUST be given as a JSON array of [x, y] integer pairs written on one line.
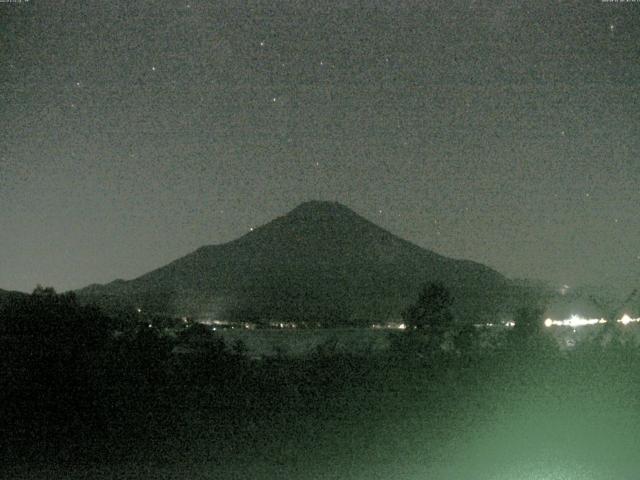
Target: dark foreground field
[[520, 411]]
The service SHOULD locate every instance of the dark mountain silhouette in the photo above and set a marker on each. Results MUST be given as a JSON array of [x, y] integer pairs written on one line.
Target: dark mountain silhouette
[[8, 298], [319, 263]]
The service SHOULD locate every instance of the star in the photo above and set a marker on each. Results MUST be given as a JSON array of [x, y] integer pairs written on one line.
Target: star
[[153, 69], [262, 44], [273, 99]]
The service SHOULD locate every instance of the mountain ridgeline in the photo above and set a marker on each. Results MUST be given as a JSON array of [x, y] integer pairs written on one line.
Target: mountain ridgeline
[[321, 264], [8, 299]]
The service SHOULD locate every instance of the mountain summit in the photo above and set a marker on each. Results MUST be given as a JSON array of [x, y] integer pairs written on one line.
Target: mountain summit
[[320, 263], [321, 208]]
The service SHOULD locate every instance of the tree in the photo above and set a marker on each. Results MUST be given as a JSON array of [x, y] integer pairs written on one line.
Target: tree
[[52, 390], [528, 320], [613, 311], [528, 337], [432, 310]]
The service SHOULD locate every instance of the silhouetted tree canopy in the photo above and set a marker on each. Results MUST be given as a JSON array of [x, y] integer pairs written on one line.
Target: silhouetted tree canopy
[[432, 310], [56, 317], [528, 320], [200, 336], [528, 336]]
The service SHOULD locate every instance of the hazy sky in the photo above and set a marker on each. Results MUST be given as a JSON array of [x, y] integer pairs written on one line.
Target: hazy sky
[[134, 132]]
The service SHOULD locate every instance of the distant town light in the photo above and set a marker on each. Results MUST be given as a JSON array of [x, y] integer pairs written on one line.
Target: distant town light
[[626, 319], [578, 321], [574, 321]]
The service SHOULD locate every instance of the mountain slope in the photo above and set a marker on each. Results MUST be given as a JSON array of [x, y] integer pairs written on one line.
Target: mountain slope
[[8, 298], [319, 263]]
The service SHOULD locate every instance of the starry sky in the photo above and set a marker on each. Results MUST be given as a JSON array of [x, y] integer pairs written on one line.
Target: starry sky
[[136, 131]]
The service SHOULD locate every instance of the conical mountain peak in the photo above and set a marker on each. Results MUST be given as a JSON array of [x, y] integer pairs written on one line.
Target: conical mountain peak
[[312, 222], [318, 208], [320, 263], [316, 226]]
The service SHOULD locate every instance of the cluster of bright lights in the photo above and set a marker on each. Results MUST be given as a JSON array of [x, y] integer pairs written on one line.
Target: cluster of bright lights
[[389, 326], [577, 321], [574, 321], [626, 319], [283, 325]]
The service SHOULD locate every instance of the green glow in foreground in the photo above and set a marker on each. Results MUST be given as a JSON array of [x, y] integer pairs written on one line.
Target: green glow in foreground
[[545, 472]]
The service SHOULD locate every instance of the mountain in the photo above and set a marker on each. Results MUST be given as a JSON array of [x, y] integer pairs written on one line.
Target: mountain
[[6, 295], [321, 262], [9, 297]]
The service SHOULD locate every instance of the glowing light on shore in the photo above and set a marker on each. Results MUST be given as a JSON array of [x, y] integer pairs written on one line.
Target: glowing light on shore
[[626, 320], [577, 321], [574, 321], [389, 326]]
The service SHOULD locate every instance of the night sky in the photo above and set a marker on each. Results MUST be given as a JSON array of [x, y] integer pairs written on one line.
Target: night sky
[[134, 132]]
